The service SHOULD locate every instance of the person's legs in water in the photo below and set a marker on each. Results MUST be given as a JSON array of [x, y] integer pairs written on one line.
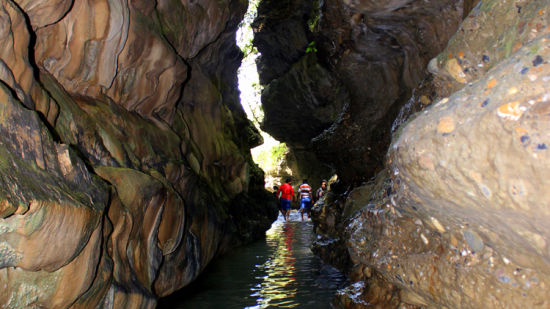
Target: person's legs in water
[[285, 208], [288, 211], [305, 206], [308, 209]]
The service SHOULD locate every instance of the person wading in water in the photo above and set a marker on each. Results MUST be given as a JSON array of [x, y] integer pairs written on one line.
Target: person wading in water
[[276, 196], [305, 195], [321, 190], [287, 195]]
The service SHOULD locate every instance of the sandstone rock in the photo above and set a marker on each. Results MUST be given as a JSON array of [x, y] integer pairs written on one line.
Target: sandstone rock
[[109, 48], [47, 194], [103, 89], [490, 34], [464, 224]]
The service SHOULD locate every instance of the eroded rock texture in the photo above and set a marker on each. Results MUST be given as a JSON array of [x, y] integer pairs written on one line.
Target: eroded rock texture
[[457, 217], [468, 174], [336, 88], [125, 162]]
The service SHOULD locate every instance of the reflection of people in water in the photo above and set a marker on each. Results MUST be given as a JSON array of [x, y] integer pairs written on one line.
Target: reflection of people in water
[[288, 232]]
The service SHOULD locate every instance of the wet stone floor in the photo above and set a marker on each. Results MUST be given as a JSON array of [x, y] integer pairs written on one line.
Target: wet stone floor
[[279, 271]]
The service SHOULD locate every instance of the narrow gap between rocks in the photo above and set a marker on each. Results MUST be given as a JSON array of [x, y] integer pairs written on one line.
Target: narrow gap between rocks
[[270, 156]]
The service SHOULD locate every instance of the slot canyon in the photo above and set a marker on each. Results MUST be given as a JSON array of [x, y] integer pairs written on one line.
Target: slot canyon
[[125, 152]]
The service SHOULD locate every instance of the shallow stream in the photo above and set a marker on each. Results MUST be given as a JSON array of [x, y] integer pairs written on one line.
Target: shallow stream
[[279, 271]]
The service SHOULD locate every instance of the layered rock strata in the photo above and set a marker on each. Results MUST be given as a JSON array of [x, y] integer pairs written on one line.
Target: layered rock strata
[[126, 163]]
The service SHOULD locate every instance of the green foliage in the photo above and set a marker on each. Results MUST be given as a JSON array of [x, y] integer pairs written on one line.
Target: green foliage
[[248, 49], [315, 16], [257, 87], [245, 33], [251, 12], [311, 48], [270, 159], [278, 152], [256, 114]]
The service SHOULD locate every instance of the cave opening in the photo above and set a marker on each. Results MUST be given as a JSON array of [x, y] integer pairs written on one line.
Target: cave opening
[[271, 154]]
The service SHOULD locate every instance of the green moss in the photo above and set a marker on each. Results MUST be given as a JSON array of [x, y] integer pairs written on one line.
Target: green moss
[[269, 160], [311, 47], [509, 38], [488, 6], [34, 221], [130, 184], [194, 163], [315, 16], [23, 180], [534, 50]]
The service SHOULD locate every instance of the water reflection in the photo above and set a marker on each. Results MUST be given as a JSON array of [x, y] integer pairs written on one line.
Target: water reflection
[[279, 284], [279, 272]]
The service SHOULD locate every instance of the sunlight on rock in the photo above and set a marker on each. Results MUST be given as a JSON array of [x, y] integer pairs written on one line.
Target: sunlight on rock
[[270, 155]]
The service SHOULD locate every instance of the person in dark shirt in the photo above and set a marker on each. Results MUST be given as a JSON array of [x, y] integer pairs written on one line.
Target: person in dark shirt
[[321, 191], [275, 189]]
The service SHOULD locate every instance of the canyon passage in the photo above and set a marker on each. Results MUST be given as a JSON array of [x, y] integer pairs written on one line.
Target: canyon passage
[[125, 151]]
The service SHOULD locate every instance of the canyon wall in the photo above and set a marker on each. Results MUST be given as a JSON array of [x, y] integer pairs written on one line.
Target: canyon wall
[[335, 78], [439, 137], [125, 153]]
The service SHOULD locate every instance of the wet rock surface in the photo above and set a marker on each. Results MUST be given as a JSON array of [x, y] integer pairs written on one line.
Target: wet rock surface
[[125, 153], [329, 226]]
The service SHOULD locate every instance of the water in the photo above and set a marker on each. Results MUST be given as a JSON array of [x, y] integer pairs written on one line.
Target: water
[[278, 272]]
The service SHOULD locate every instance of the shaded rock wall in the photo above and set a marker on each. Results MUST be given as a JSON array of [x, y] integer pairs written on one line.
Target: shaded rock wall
[[125, 152], [339, 100], [456, 217], [300, 97]]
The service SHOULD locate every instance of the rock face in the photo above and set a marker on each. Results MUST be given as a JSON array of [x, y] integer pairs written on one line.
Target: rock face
[[456, 217], [340, 84], [469, 175], [125, 162]]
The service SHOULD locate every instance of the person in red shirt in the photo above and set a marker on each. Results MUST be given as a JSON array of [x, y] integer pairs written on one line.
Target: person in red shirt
[[286, 194]]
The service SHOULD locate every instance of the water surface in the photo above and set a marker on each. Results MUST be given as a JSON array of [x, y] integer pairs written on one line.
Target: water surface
[[277, 272]]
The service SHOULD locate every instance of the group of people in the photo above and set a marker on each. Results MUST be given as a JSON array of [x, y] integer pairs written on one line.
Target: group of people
[[285, 195]]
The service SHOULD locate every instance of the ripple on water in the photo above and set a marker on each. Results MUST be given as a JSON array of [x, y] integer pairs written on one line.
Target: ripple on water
[[278, 272]]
